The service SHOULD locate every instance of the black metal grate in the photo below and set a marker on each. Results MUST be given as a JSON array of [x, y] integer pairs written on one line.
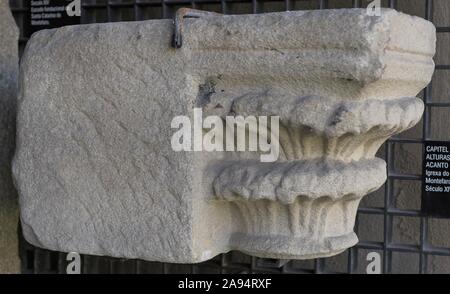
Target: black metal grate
[[35, 260]]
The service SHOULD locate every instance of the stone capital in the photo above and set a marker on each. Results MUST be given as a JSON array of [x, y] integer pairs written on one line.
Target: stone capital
[[94, 164]]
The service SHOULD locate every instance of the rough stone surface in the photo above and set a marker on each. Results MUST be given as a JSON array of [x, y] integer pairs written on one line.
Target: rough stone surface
[[408, 160], [95, 169], [9, 212]]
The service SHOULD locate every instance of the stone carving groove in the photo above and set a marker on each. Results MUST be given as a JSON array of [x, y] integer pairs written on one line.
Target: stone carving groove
[[98, 174], [326, 166]]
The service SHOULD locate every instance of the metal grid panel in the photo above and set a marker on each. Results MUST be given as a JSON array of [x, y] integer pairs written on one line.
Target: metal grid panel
[[35, 260]]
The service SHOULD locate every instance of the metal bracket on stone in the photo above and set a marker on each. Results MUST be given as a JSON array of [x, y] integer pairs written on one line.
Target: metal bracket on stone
[[182, 13]]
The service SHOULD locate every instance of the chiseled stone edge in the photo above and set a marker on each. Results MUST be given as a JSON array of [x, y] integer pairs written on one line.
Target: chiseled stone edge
[[331, 118], [285, 181], [323, 41]]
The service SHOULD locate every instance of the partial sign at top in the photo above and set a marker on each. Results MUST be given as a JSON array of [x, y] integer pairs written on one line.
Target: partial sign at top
[[49, 14]]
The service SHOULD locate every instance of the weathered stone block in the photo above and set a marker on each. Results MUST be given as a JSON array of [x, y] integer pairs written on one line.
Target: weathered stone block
[[9, 68], [94, 164]]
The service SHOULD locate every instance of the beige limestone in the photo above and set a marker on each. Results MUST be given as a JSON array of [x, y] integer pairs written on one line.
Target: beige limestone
[[95, 169]]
